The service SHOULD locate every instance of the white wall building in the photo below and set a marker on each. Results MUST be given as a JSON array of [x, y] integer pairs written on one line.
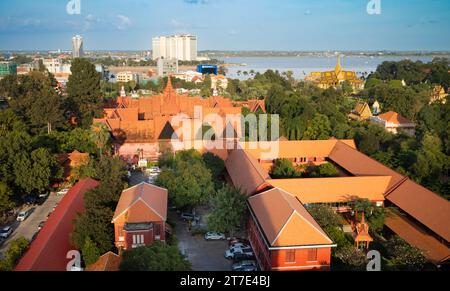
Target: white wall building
[[56, 66], [180, 47], [167, 67], [77, 46], [125, 77]]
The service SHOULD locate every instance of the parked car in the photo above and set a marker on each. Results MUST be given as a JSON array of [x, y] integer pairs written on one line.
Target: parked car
[[190, 217], [29, 199], [248, 269], [243, 257], [211, 235], [235, 240], [240, 245], [243, 264], [231, 252], [44, 195], [62, 192], [23, 215], [6, 232]]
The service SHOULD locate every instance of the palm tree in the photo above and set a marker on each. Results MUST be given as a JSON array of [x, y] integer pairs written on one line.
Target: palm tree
[[100, 136]]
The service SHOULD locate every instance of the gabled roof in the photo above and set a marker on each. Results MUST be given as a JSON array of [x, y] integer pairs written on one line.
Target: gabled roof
[[333, 190], [394, 117], [436, 251], [359, 164], [427, 207], [245, 172], [49, 250], [109, 262], [269, 150], [284, 221], [141, 202]]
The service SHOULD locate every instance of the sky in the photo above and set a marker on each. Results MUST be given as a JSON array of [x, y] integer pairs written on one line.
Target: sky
[[287, 25]]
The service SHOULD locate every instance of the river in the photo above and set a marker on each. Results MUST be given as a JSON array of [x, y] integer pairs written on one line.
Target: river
[[303, 65]]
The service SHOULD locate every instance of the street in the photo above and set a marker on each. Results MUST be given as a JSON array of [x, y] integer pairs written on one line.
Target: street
[[29, 227]]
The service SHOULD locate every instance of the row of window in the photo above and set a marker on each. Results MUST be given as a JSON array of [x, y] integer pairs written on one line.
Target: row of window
[[311, 256]]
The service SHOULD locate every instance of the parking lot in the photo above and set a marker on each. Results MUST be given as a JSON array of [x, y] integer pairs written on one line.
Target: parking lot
[[29, 227], [203, 255]]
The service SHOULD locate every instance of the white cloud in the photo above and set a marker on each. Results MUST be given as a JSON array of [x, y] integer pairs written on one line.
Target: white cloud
[[124, 22]]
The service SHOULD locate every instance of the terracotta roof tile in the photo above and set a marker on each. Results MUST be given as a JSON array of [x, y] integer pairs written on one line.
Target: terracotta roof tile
[[333, 190], [49, 250], [135, 200], [109, 262], [394, 117], [434, 250], [290, 225], [425, 206]]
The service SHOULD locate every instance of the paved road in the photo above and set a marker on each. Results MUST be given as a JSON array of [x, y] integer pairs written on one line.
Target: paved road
[[29, 227]]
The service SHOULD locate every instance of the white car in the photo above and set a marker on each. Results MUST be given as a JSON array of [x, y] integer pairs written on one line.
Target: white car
[[229, 254], [23, 215], [214, 236], [6, 232], [62, 191], [240, 245]]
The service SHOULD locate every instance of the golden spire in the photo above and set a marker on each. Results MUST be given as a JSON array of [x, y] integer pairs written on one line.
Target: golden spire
[[338, 68]]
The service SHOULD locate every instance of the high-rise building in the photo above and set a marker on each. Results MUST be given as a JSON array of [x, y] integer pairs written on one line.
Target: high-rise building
[[180, 47], [77, 44]]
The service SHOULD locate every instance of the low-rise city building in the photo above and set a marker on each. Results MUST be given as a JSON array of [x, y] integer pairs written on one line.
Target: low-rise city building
[[140, 216], [395, 123]]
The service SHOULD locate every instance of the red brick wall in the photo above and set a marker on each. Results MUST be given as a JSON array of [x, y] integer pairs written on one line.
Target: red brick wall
[[148, 238], [300, 261]]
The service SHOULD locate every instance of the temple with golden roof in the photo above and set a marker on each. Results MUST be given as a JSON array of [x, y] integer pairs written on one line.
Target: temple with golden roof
[[335, 78], [140, 125]]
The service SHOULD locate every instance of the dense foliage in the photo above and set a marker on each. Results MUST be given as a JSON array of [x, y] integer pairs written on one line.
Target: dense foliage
[[157, 257], [188, 179], [228, 209]]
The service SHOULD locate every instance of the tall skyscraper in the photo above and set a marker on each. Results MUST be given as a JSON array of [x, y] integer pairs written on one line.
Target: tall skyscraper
[[180, 47], [77, 45]]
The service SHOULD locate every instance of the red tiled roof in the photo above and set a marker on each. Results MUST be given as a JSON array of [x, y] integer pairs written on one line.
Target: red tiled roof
[[433, 249], [427, 207], [109, 262], [285, 221], [394, 117], [49, 250], [135, 200]]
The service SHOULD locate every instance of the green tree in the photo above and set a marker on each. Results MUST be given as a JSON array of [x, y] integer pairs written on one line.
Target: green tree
[[100, 135], [156, 257], [84, 91], [6, 199], [403, 257], [319, 128], [228, 209], [189, 181], [13, 254], [328, 170], [352, 259], [90, 252], [216, 166], [283, 168]]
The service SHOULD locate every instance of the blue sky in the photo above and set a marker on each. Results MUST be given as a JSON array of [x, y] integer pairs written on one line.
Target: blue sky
[[228, 24]]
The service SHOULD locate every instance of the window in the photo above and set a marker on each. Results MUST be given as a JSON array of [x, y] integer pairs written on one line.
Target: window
[[312, 255], [290, 256], [138, 239]]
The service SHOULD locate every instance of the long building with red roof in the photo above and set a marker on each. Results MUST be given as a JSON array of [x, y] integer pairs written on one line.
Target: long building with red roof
[[48, 252], [424, 221]]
